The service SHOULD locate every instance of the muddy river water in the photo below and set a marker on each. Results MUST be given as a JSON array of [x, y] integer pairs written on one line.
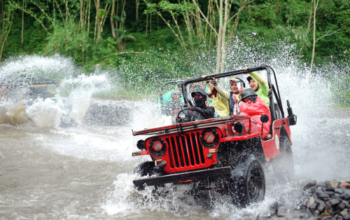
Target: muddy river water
[[85, 172], [51, 168]]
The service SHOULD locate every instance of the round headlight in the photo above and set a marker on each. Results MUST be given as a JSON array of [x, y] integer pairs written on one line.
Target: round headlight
[[157, 147], [209, 137]]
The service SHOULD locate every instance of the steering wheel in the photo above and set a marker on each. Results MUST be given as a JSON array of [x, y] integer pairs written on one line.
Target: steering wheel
[[188, 109]]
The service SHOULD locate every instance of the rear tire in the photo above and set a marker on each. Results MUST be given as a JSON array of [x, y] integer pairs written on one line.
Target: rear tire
[[247, 183], [283, 164], [145, 168]]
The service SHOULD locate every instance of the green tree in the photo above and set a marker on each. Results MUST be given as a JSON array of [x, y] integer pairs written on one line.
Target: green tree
[[6, 20]]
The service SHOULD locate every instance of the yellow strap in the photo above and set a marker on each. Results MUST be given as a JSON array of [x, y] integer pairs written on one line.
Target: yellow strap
[[36, 85]]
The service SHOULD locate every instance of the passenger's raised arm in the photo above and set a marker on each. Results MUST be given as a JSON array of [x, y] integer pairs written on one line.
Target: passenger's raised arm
[[259, 85]]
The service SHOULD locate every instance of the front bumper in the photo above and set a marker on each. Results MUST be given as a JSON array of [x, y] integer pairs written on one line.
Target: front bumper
[[199, 174]]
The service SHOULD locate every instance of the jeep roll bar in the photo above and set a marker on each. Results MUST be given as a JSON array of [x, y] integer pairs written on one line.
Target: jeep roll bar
[[274, 90], [162, 87]]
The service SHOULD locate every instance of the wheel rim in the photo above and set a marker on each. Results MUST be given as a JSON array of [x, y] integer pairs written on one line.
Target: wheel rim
[[255, 184]]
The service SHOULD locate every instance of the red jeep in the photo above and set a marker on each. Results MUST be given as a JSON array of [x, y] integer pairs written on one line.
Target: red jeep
[[225, 154]]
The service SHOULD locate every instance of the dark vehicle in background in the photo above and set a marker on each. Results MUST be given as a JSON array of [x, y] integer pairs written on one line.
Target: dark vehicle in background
[[170, 107], [29, 88], [160, 92], [224, 154]]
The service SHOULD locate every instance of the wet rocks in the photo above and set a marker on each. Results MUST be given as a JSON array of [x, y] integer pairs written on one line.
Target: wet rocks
[[322, 195], [108, 114], [339, 191], [310, 202], [330, 188], [334, 202], [310, 184], [282, 211], [313, 207], [330, 199], [273, 209]]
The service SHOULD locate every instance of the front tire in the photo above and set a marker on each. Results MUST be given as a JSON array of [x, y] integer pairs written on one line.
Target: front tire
[[247, 184], [145, 168]]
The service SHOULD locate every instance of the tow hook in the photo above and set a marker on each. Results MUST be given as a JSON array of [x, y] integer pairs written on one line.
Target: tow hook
[[159, 163]]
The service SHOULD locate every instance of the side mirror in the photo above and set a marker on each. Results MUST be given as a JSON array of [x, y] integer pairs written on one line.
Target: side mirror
[[292, 119], [264, 118]]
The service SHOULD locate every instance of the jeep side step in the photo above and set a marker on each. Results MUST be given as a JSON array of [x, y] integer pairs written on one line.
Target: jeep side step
[[200, 174]]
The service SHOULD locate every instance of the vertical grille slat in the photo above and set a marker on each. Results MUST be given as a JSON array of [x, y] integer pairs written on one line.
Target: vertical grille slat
[[185, 150], [180, 151], [195, 150], [200, 149], [171, 157], [175, 151], [189, 145]]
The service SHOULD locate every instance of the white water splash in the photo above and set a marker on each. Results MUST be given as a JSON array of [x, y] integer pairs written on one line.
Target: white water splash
[[82, 88], [45, 113], [56, 67]]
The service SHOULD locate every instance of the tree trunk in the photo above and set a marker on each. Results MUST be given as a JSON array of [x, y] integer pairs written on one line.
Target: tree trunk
[[146, 24], [66, 4], [137, 9], [218, 45], [81, 22], [112, 19], [98, 20], [314, 36], [6, 28], [88, 27], [309, 23], [223, 37], [22, 29], [116, 22], [150, 23]]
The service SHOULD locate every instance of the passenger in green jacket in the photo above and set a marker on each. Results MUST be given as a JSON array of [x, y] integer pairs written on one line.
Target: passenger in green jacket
[[260, 86]]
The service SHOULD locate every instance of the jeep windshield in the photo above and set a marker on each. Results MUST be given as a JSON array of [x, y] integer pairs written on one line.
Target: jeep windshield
[[223, 79]]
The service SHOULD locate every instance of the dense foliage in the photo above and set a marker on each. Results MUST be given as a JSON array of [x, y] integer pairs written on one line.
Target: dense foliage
[[165, 37], [73, 28]]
